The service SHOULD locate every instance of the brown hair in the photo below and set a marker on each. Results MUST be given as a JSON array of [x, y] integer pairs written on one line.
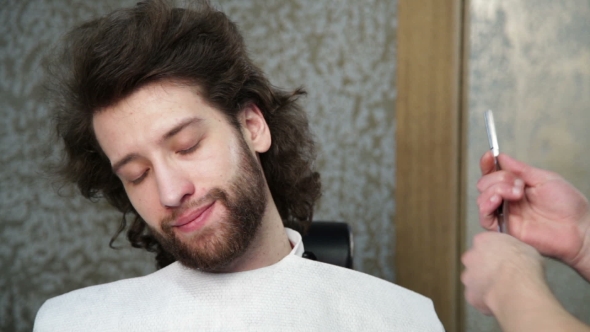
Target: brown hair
[[107, 59]]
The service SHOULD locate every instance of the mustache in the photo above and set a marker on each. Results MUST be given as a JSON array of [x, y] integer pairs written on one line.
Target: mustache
[[215, 194]]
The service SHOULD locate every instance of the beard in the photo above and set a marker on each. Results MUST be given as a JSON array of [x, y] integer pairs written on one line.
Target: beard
[[220, 243]]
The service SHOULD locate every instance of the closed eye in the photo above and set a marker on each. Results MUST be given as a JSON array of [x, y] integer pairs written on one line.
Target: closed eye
[[139, 179], [189, 150]]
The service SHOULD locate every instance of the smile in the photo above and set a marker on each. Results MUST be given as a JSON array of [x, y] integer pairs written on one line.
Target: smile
[[193, 220]]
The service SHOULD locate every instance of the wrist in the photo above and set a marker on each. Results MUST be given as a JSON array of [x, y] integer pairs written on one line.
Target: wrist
[[524, 304], [518, 289]]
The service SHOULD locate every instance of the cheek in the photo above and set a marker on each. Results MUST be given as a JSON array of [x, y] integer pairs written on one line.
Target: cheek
[[216, 167], [146, 202]]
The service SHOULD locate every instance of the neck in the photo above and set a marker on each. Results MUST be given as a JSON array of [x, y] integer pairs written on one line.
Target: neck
[[269, 246]]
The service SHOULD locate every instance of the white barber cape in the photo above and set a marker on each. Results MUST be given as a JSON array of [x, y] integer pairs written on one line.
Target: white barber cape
[[295, 294]]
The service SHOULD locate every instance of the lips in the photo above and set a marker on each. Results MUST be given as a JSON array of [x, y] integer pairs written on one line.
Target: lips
[[193, 218]]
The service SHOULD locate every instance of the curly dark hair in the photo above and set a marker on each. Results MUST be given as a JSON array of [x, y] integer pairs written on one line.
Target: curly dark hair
[[105, 60]]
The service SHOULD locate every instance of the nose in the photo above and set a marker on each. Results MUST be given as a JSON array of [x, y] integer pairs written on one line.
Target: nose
[[174, 185]]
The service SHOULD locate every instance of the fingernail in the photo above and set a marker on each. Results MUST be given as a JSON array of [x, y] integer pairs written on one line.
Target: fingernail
[[495, 199], [518, 186], [516, 190]]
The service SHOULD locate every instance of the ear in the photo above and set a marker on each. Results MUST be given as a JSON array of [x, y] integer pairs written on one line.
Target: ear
[[255, 129]]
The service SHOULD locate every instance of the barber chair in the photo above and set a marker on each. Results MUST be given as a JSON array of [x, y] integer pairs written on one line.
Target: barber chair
[[329, 242]]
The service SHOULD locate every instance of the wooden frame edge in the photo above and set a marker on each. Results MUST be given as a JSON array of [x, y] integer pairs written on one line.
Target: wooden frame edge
[[430, 152]]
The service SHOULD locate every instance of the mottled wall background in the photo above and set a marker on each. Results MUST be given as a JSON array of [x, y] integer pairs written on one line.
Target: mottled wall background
[[530, 63], [342, 52]]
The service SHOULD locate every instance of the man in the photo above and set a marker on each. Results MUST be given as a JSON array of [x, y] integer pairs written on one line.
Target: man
[[166, 117], [504, 274]]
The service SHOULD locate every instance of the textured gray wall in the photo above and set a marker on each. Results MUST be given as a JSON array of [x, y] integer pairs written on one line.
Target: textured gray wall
[[342, 52], [530, 63]]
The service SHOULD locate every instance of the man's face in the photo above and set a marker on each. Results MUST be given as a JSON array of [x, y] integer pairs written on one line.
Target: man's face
[[188, 172]]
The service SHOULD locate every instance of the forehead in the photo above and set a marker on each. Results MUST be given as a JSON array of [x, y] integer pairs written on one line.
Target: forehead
[[161, 99], [148, 114]]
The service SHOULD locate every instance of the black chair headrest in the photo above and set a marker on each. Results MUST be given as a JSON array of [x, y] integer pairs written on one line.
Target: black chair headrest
[[329, 242]]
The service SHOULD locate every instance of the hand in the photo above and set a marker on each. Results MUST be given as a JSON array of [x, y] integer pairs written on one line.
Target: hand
[[504, 277], [544, 210], [498, 268]]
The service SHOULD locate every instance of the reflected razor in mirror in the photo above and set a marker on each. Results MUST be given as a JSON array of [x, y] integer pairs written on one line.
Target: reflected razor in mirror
[[502, 212]]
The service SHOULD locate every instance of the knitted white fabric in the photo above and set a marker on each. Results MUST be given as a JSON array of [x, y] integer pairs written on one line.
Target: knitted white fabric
[[296, 294]]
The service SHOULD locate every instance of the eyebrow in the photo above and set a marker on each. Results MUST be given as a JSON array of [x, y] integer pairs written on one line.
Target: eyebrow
[[169, 134]]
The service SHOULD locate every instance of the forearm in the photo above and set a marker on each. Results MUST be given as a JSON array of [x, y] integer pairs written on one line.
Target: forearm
[[534, 308]]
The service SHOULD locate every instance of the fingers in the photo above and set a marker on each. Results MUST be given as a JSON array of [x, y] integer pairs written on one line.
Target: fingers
[[494, 190], [505, 177], [532, 176], [487, 203], [477, 273], [470, 280], [486, 163]]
